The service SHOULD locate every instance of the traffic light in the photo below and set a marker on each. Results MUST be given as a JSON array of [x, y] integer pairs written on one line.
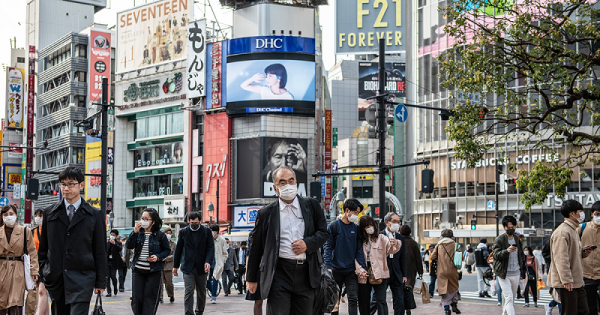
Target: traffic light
[[51, 192], [33, 186], [473, 224], [427, 181]]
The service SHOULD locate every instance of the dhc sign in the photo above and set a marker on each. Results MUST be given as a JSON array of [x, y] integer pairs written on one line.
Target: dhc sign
[[260, 44]]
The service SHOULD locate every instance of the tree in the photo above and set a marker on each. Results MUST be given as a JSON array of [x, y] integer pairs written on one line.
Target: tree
[[536, 64]]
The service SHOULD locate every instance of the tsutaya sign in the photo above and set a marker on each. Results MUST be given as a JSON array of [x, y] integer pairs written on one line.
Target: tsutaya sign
[[520, 159], [586, 199]]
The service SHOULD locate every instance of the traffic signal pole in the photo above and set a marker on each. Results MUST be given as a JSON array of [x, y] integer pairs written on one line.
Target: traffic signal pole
[[381, 117], [103, 171]]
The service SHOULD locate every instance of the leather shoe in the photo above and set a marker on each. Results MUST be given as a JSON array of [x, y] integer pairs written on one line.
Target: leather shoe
[[172, 299], [487, 294], [108, 295], [160, 301], [121, 290]]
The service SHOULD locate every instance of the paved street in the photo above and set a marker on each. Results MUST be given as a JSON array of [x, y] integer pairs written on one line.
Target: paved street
[[236, 304]]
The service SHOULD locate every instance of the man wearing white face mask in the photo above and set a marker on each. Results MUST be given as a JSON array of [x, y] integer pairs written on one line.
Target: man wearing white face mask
[[589, 232], [342, 248], [566, 268], [396, 262], [285, 247]]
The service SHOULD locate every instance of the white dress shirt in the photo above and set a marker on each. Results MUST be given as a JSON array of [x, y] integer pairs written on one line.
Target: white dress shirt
[[76, 204], [390, 235], [291, 228]]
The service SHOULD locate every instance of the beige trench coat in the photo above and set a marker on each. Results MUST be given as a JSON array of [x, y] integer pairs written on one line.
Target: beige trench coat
[[447, 275], [220, 257], [12, 274]]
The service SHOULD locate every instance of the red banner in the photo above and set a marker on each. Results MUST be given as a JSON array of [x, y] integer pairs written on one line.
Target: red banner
[[216, 164], [328, 155], [30, 130], [99, 64], [216, 74]]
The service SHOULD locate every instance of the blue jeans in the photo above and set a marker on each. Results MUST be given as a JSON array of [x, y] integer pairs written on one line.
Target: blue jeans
[[213, 285], [499, 291], [432, 285], [553, 303]]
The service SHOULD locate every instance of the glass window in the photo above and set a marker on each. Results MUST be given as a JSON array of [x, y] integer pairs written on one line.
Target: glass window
[[177, 184], [158, 185]]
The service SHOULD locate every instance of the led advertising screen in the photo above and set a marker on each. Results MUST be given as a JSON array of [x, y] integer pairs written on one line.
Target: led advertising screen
[[368, 83]]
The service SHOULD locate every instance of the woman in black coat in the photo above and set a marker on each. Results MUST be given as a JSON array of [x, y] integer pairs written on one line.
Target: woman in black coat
[[151, 248], [115, 261]]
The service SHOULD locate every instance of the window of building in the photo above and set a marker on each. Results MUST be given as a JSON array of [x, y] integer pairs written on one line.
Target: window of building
[[362, 189], [81, 50], [81, 76], [200, 124], [159, 125], [166, 154], [163, 185], [77, 155], [20, 60]]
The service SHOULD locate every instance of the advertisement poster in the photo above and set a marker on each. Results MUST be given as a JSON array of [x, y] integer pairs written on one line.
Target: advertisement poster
[[328, 121], [153, 34], [196, 59], [93, 165], [271, 79], [368, 83], [14, 97], [284, 152], [217, 129], [15, 151], [99, 64], [216, 77], [360, 24]]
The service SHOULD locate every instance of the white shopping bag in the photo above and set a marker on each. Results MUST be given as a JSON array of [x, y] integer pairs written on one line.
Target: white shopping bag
[[418, 286]]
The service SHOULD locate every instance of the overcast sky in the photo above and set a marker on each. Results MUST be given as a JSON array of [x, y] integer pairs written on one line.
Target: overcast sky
[[12, 24]]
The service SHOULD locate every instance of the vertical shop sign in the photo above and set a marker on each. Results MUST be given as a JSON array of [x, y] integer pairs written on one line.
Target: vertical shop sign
[[99, 64], [216, 74], [14, 98], [328, 156], [30, 111], [196, 59]]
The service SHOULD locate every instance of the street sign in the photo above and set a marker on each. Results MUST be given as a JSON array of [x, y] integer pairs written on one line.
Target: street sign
[[3, 201], [323, 186], [401, 113], [491, 205]]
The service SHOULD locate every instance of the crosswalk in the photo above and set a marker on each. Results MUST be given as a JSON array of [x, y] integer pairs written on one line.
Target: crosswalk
[[544, 298]]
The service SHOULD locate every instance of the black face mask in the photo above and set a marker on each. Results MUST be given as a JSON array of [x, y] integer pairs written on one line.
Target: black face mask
[[510, 232], [194, 227]]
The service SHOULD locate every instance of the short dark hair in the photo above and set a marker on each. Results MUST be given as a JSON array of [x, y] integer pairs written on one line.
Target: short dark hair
[[278, 70], [351, 204], [483, 241], [115, 232], [71, 172], [214, 228], [194, 215], [39, 211], [243, 243], [405, 230], [363, 223], [509, 219], [155, 218], [226, 239], [596, 206], [570, 206]]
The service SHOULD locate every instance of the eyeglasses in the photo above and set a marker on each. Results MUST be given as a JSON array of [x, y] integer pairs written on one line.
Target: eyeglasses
[[289, 182], [70, 185]]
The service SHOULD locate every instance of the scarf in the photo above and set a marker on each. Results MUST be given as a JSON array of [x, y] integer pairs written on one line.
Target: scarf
[[445, 240]]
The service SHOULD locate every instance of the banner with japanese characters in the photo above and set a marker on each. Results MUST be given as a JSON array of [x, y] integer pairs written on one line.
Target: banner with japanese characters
[[14, 97], [196, 61]]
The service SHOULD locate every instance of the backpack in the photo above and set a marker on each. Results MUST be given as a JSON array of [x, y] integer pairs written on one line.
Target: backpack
[[546, 254], [582, 228]]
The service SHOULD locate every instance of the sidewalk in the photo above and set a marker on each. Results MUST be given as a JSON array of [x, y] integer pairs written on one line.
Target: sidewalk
[[236, 304]]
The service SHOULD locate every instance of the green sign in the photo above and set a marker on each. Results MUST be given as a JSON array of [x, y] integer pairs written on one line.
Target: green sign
[[335, 139]]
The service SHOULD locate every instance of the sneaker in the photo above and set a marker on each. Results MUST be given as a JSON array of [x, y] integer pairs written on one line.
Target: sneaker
[[526, 305], [108, 295], [499, 304], [487, 294], [548, 309], [481, 295], [535, 304], [213, 302]]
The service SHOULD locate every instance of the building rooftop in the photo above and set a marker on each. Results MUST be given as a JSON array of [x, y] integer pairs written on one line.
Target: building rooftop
[[238, 4]]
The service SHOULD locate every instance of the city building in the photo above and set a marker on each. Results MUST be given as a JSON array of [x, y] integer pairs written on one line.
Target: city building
[[460, 192]]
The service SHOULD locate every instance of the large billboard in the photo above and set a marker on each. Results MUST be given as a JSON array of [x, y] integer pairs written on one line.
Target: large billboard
[[154, 90], [217, 129], [99, 63], [360, 24], [14, 98], [196, 59], [261, 157], [368, 83], [152, 34]]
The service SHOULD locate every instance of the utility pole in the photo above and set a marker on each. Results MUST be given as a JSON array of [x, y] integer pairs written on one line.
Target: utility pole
[[103, 175], [381, 122], [217, 201], [497, 186]]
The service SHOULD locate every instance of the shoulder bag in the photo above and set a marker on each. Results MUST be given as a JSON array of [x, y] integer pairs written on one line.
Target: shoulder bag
[[459, 272], [98, 308], [29, 283]]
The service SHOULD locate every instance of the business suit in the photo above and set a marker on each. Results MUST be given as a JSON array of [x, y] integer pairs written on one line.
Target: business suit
[[114, 263], [241, 253], [285, 295], [73, 256], [398, 270], [231, 265]]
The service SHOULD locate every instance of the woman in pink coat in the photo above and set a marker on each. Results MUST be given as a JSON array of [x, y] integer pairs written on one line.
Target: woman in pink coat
[[376, 248]]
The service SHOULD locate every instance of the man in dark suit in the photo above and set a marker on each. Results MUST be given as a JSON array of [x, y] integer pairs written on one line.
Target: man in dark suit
[[72, 251], [286, 241], [396, 263], [241, 253], [195, 252], [115, 261]]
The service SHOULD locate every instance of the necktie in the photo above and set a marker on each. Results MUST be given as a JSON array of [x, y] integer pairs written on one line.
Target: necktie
[[70, 212]]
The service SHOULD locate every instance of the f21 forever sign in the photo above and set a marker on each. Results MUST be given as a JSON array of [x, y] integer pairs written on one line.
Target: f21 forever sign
[[361, 23]]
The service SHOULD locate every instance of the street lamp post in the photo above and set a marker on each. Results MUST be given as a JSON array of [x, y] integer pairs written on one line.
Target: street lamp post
[[217, 201], [211, 209]]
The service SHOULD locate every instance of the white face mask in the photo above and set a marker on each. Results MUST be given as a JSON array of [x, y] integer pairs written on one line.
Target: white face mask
[[288, 192], [112, 237], [394, 227], [370, 230], [526, 252], [581, 217], [145, 224], [10, 220], [353, 218], [597, 220], [39, 220]]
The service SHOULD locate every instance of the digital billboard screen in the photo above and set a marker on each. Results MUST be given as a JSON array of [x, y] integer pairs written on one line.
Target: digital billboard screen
[[279, 83], [368, 83]]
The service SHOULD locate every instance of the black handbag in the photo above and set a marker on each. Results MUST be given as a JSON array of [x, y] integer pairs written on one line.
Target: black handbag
[[98, 307], [433, 268], [409, 299]]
